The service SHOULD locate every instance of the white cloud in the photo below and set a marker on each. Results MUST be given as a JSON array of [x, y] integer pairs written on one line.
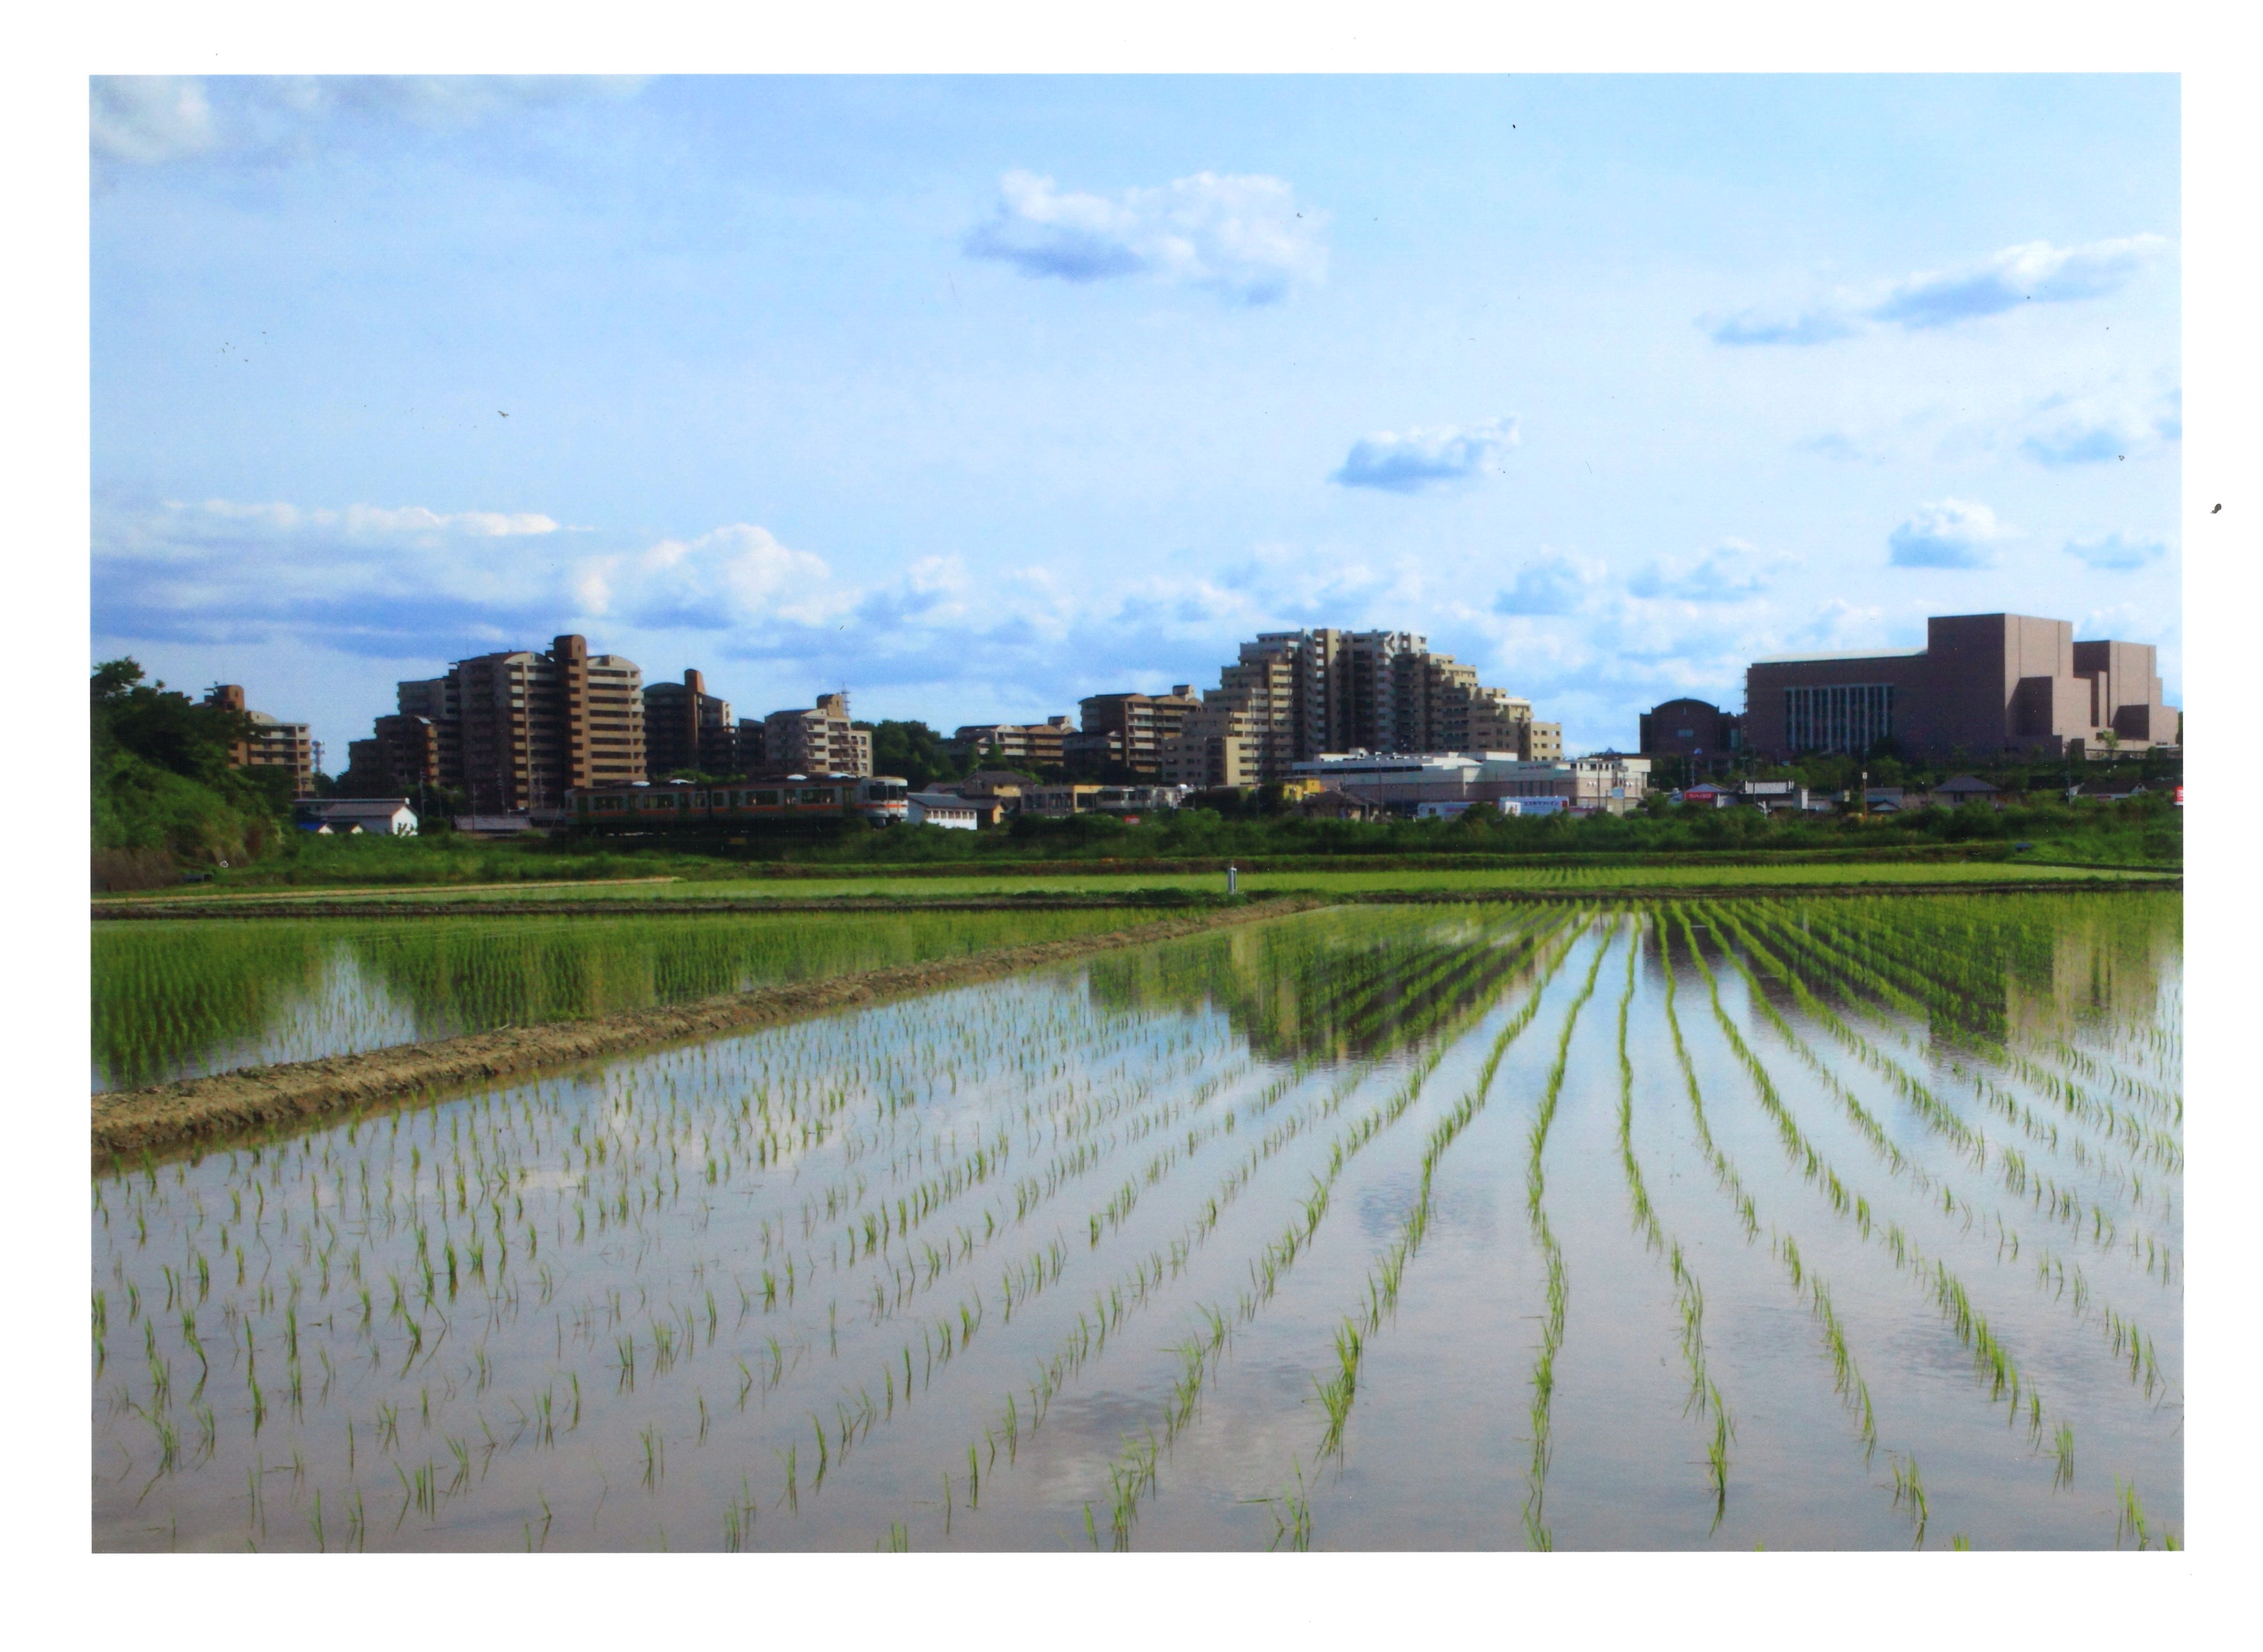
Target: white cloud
[[734, 576], [1731, 571], [2035, 272], [139, 119], [1553, 582], [1950, 533], [1419, 458], [1243, 237], [145, 119], [2116, 552]]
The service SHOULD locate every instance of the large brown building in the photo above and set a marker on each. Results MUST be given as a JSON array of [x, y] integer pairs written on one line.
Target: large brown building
[[687, 727], [1983, 685], [531, 724], [274, 744], [1132, 729]]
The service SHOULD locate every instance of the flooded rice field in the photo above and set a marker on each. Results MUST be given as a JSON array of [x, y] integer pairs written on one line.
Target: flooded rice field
[[178, 1000], [1819, 1224]]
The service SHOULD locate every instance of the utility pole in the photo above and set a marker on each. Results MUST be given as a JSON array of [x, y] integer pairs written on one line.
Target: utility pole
[[1866, 793]]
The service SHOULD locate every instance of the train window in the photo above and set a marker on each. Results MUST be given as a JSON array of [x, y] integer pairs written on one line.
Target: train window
[[816, 794], [765, 800]]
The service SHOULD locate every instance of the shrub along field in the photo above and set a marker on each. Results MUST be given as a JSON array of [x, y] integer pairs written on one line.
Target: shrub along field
[[1797, 1222]]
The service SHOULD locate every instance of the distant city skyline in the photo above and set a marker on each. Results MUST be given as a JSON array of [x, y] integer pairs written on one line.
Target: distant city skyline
[[979, 396]]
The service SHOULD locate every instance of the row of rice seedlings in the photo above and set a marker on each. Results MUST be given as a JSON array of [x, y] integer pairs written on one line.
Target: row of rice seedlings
[[1969, 943], [2050, 1270], [1386, 1278], [1950, 1006], [2011, 1168], [2143, 1367], [1945, 980], [1089, 1338], [1847, 1381], [1558, 1290], [1200, 1355], [2129, 1518], [1690, 1297], [711, 1302], [1856, 980], [1991, 1357]]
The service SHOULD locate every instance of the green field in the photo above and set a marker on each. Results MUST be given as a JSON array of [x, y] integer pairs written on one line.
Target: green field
[[1315, 880]]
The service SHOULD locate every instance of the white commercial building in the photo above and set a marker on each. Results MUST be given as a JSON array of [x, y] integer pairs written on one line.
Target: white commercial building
[[1610, 782]]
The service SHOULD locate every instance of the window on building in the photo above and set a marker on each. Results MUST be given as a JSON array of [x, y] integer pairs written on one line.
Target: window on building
[[1848, 718]]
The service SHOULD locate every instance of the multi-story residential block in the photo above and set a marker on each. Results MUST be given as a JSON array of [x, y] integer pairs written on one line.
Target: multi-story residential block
[[1132, 729], [1292, 695], [1037, 743], [273, 744], [1983, 685], [532, 724], [401, 758], [817, 741], [687, 727]]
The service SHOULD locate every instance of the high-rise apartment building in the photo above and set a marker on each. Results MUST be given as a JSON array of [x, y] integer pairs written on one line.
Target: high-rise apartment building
[[817, 741], [687, 727], [273, 744], [1132, 729], [1292, 695], [532, 724]]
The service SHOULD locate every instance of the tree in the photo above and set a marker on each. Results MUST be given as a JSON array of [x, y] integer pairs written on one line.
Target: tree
[[916, 752]]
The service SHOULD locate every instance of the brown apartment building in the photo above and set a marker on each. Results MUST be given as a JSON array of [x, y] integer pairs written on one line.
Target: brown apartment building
[[529, 725], [687, 727], [1983, 685], [1132, 729], [274, 744]]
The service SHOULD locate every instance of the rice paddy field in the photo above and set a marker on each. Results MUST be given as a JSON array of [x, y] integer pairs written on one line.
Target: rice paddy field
[[1800, 1223], [174, 1001]]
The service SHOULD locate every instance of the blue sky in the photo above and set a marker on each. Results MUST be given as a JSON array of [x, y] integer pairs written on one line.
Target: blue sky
[[978, 395]]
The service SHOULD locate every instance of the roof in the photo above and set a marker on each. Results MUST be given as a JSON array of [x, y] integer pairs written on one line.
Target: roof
[[1966, 782], [1859, 653]]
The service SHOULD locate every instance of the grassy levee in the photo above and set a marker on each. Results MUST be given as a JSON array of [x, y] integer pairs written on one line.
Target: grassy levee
[[1022, 886], [170, 1117]]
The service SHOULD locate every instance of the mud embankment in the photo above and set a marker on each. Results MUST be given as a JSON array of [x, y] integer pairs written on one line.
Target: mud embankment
[[188, 1112]]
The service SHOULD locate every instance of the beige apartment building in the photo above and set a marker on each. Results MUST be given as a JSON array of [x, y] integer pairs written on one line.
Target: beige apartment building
[[1292, 695], [818, 741], [274, 744], [1040, 744]]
